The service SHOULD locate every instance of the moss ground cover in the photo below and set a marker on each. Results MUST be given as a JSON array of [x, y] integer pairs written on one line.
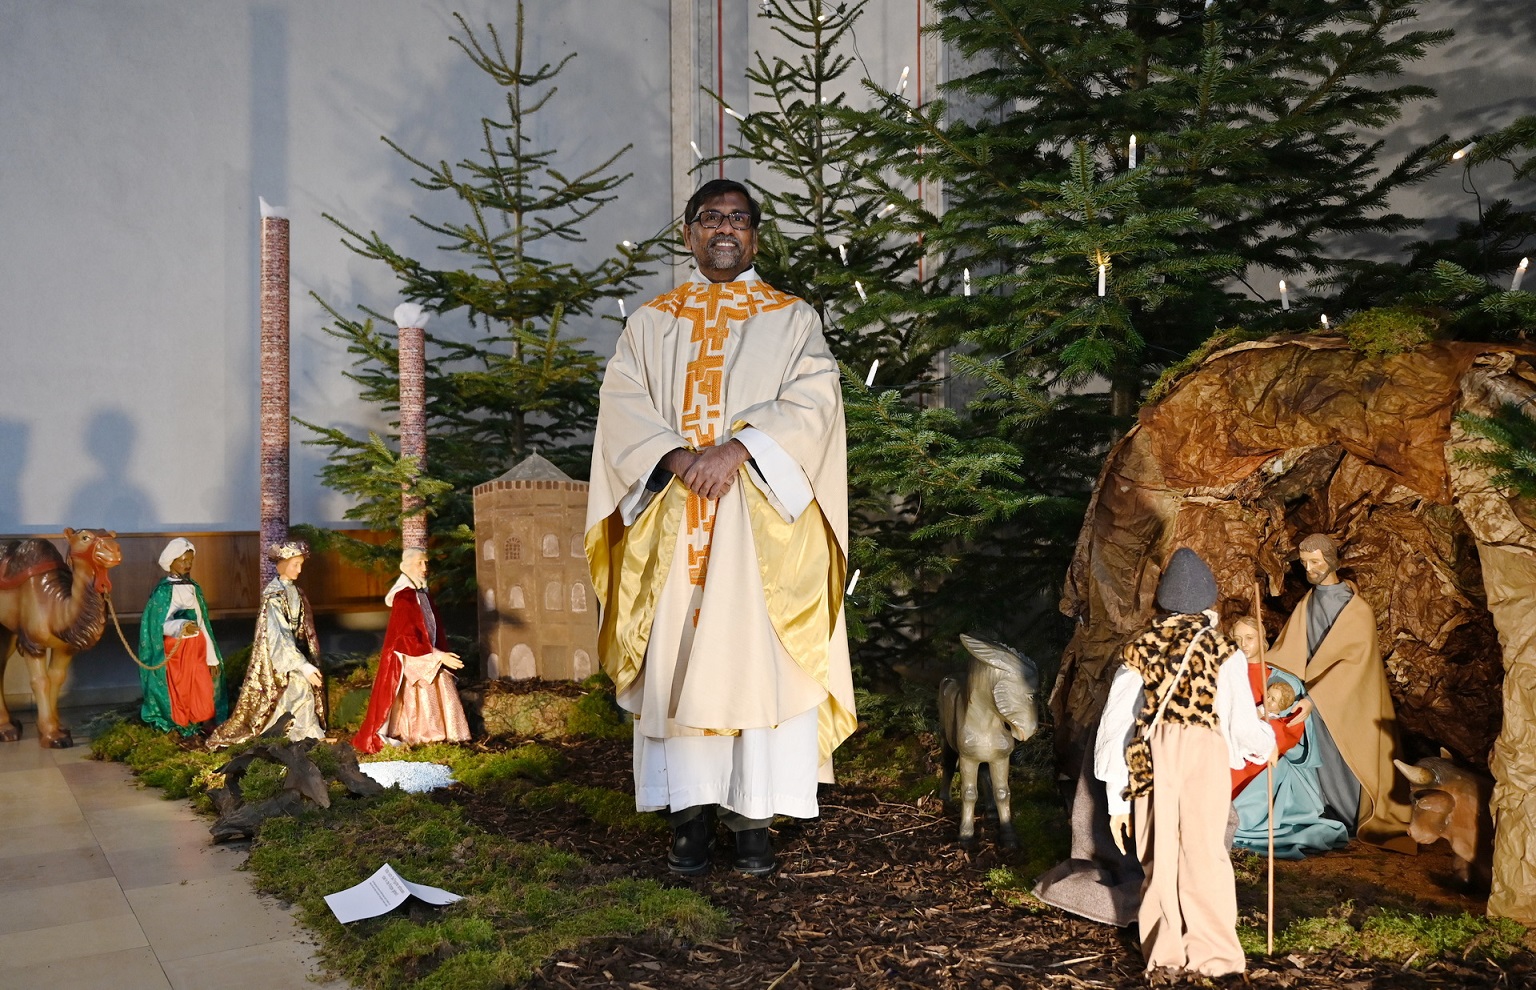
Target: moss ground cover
[[522, 902], [526, 903]]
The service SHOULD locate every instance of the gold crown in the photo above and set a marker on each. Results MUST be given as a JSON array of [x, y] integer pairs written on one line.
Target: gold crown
[[287, 549]]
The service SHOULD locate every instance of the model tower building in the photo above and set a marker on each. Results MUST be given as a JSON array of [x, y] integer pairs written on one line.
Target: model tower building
[[538, 615]]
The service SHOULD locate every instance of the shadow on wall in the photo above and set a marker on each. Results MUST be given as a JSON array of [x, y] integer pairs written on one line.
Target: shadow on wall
[[108, 498], [14, 437]]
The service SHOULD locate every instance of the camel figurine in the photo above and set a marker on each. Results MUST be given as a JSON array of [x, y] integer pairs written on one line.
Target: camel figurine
[[981, 720], [51, 610]]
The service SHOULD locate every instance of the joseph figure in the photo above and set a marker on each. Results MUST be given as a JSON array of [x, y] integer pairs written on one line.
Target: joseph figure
[[1329, 642], [717, 533]]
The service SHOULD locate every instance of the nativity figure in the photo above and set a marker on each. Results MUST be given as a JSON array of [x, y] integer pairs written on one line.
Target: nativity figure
[[283, 677], [1301, 828], [181, 669], [415, 698], [1179, 718], [1329, 645]]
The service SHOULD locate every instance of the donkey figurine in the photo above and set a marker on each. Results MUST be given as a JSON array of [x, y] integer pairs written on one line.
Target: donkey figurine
[[981, 720]]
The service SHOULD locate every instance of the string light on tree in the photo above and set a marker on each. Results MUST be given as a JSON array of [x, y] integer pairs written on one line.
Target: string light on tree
[[1325, 321], [627, 245], [738, 116], [901, 87], [1514, 285], [1464, 151], [1285, 296], [696, 152], [1132, 155], [885, 211]]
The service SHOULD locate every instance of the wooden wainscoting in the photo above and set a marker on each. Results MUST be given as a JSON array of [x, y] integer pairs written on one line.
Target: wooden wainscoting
[[228, 569]]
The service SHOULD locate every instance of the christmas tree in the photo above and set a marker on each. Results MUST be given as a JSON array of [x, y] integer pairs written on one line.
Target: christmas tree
[[524, 384], [922, 488], [1118, 178]]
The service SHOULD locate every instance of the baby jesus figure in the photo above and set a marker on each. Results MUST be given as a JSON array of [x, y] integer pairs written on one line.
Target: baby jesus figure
[[1279, 701]]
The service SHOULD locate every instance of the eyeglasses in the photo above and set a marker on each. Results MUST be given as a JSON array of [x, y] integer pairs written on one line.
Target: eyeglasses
[[712, 219]]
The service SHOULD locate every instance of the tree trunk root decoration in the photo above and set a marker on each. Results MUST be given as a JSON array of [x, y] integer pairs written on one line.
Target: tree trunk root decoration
[[304, 784]]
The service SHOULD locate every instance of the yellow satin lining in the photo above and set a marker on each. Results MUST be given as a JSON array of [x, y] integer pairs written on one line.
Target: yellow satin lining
[[627, 592], [802, 569]]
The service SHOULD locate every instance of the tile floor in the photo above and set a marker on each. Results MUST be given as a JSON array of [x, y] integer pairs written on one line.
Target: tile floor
[[104, 884]]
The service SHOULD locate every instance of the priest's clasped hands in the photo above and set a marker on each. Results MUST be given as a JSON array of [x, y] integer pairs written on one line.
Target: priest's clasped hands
[[708, 473]]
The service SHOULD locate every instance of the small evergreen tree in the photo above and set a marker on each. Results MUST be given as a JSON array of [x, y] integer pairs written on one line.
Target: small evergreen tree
[[524, 384]]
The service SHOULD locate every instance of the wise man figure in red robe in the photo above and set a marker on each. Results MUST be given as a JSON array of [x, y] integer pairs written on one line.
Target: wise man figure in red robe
[[415, 698]]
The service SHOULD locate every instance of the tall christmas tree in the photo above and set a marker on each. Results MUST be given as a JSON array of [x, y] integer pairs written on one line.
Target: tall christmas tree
[[1095, 259], [523, 384], [921, 489]]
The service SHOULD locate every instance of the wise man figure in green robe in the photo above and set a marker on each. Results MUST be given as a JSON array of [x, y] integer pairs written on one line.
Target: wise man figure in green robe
[[180, 667]]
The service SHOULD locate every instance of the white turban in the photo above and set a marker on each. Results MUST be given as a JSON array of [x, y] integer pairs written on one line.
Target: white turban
[[172, 550]]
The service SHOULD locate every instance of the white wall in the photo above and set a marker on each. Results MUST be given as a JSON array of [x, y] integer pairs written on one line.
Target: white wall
[[136, 135]]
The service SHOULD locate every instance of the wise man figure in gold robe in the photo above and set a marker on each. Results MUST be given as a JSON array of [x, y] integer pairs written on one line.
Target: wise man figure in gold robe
[[717, 533], [1330, 643]]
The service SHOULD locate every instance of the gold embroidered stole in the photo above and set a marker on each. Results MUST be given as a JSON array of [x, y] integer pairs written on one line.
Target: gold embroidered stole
[[703, 410]]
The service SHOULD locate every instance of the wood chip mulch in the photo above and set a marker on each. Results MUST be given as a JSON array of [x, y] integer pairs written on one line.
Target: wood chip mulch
[[877, 894]]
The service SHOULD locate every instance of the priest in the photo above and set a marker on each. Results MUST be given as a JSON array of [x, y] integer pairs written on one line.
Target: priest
[[1329, 643], [717, 534]]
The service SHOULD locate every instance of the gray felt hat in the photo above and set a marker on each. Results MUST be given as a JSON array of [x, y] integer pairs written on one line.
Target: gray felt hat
[[1187, 584]]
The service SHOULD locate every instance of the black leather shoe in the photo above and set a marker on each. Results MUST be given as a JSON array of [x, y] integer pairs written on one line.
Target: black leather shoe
[[754, 852], [691, 842]]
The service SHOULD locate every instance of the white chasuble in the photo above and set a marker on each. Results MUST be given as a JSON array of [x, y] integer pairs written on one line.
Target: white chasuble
[[722, 620]]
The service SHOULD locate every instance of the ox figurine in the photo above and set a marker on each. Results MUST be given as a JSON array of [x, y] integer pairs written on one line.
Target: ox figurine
[[1452, 803], [981, 720]]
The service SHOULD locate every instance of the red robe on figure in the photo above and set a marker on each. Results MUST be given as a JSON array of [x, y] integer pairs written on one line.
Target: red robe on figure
[[406, 634], [1286, 734]]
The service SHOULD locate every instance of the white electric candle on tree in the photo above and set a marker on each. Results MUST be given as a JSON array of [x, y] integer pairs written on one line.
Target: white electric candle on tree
[[1325, 321], [622, 313], [1133, 151], [842, 252], [1101, 278], [1285, 296], [733, 113], [869, 379], [1463, 151], [853, 582], [967, 281], [1514, 285], [860, 287], [901, 87]]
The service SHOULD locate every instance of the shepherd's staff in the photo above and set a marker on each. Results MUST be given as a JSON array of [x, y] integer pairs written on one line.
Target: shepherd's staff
[[1269, 779]]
